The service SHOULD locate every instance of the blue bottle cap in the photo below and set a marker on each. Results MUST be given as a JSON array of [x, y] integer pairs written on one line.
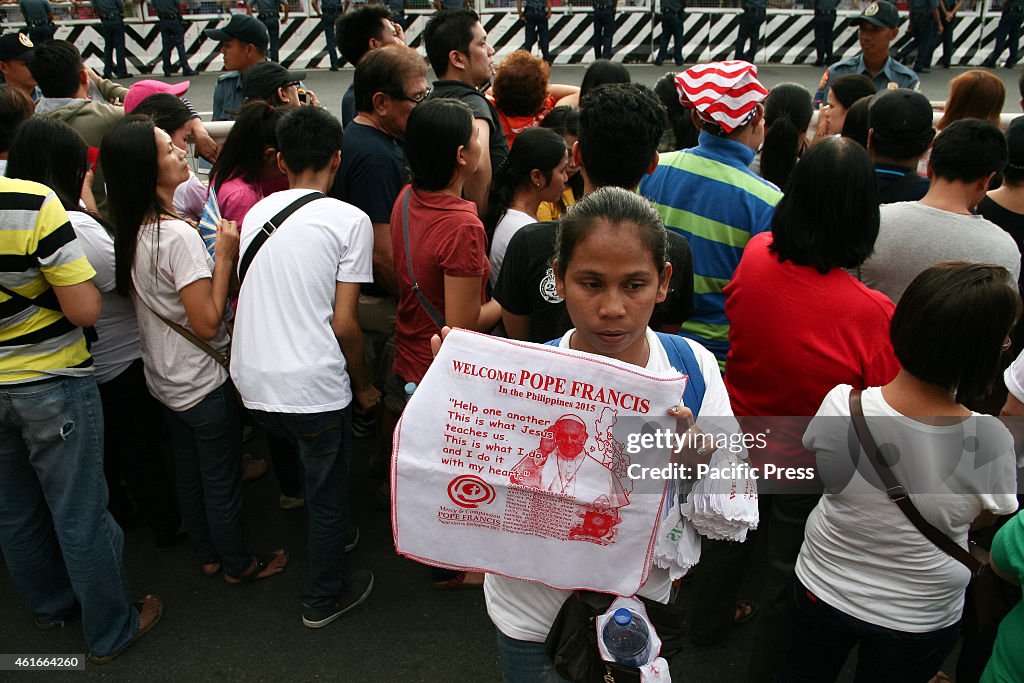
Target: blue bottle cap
[[623, 616], [410, 387]]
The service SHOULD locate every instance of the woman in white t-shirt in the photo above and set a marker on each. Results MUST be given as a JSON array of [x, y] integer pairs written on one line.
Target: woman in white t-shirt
[[866, 576], [534, 171], [175, 285]]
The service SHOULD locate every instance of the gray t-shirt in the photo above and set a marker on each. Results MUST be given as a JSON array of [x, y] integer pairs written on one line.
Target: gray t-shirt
[[913, 237]]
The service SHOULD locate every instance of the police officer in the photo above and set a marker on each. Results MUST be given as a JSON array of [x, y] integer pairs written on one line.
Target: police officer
[[877, 26], [172, 34], [243, 42], [1008, 31], [38, 20], [536, 15], [604, 27], [925, 25], [267, 13], [671, 28], [329, 11], [824, 28], [750, 29], [112, 25]]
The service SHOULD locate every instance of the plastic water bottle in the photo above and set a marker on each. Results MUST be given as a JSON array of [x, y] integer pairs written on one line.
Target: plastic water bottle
[[627, 638]]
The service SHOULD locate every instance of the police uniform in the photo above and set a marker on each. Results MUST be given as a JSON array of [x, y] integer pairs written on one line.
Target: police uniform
[[535, 14], [893, 75], [112, 24], [267, 13], [824, 30], [330, 10], [750, 29], [172, 34], [228, 95], [947, 31], [1008, 32], [39, 25], [604, 28], [671, 28]]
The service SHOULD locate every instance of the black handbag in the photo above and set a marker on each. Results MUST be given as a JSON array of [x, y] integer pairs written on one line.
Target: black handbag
[[572, 641]]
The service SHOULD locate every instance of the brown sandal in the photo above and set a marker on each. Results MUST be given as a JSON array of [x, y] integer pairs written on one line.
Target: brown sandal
[[151, 610], [264, 565]]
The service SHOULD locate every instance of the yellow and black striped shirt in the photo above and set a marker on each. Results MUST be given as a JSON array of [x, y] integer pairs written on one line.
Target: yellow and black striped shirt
[[38, 249]]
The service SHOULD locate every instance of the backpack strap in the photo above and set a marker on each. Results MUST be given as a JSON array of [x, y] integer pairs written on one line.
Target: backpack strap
[[268, 229], [682, 358]]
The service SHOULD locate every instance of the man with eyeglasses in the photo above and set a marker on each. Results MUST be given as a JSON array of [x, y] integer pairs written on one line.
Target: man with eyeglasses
[[389, 82]]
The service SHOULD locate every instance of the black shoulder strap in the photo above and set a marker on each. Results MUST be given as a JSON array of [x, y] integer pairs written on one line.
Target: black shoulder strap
[[898, 494], [268, 229], [424, 302]]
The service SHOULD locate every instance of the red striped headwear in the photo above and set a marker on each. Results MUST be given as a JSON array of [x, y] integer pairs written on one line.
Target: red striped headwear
[[723, 93]]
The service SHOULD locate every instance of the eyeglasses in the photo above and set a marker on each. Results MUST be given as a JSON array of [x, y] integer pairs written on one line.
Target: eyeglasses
[[416, 99], [290, 84]]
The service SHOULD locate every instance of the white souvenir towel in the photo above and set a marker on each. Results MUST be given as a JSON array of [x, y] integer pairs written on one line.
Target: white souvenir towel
[[512, 458]]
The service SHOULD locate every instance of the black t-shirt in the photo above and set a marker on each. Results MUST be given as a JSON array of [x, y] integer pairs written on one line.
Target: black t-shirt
[[526, 283], [372, 174], [1012, 223], [482, 109]]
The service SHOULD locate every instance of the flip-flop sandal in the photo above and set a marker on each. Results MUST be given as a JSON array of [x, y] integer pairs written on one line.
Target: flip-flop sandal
[[143, 630], [257, 571], [749, 609]]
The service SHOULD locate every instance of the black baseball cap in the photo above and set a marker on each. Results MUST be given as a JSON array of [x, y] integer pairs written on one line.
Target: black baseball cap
[[879, 13], [15, 46], [243, 27], [262, 80], [902, 117]]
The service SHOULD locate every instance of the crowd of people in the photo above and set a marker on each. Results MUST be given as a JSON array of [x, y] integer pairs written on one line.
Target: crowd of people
[[700, 227]]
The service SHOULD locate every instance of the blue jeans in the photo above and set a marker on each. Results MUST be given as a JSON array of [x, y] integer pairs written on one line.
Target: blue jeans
[[172, 37], [324, 442], [59, 542], [273, 25], [207, 445], [1007, 34], [749, 36], [823, 637], [113, 47], [328, 16], [536, 19], [671, 28], [925, 35], [604, 32], [525, 662]]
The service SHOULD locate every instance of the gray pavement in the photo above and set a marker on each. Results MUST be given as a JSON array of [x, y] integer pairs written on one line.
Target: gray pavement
[[406, 631]]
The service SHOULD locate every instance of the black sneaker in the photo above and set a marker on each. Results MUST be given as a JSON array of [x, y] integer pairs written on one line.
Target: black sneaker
[[360, 582]]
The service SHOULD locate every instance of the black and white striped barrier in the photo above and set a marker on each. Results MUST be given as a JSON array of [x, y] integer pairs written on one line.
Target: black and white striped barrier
[[709, 34]]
